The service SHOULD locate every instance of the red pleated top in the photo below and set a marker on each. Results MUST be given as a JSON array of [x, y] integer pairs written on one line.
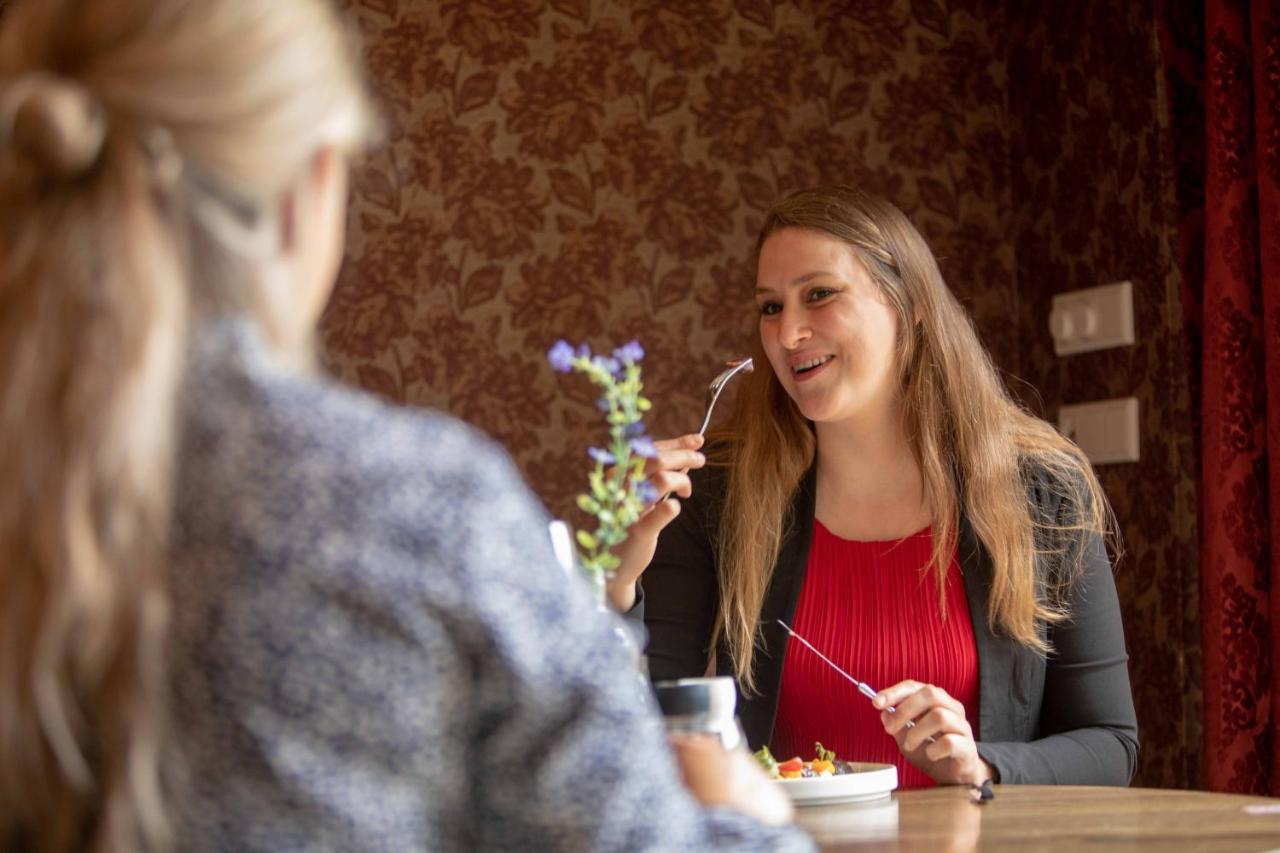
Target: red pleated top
[[872, 607]]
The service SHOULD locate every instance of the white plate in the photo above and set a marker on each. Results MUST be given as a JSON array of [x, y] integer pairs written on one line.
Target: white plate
[[866, 782]]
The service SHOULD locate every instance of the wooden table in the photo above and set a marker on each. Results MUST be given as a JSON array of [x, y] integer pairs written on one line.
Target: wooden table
[[1046, 817]]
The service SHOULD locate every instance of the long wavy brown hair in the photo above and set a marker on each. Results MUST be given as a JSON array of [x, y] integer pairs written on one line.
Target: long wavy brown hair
[[976, 447], [141, 144]]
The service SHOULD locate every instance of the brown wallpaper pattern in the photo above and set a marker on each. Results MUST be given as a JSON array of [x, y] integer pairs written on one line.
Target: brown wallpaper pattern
[[1094, 203], [597, 170]]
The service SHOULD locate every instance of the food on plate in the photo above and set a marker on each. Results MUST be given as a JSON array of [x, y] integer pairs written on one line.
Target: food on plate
[[824, 763]]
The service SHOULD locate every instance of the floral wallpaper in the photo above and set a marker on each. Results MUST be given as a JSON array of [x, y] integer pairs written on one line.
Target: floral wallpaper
[[1094, 201], [597, 171]]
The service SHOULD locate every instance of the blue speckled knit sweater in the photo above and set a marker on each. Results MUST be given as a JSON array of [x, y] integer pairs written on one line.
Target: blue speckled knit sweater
[[373, 648]]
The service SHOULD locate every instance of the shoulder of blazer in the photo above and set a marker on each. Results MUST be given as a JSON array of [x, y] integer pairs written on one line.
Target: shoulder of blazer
[[1052, 506], [1046, 490]]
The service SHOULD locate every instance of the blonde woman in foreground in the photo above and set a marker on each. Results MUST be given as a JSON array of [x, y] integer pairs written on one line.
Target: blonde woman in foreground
[[879, 491], [241, 607]]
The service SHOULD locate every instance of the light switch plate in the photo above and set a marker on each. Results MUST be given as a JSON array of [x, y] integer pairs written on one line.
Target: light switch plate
[[1092, 319], [1107, 431]]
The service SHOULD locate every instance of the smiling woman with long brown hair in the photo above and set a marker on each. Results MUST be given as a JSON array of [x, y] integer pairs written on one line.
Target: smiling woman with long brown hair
[[242, 607], [880, 491]]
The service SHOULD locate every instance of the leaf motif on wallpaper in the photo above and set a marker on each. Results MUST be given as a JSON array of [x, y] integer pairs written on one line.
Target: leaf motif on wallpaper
[[673, 288], [850, 101], [481, 286], [579, 10], [667, 96], [571, 190], [477, 91], [376, 188], [935, 196], [932, 15], [756, 191], [757, 11], [375, 379]]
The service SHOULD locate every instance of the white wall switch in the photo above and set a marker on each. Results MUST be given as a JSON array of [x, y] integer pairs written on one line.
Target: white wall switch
[[1107, 431], [1091, 319]]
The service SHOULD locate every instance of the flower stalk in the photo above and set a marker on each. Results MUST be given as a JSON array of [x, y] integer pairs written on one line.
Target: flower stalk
[[618, 488]]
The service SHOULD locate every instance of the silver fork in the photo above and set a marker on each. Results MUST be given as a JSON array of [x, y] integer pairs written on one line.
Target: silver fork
[[863, 688], [743, 365]]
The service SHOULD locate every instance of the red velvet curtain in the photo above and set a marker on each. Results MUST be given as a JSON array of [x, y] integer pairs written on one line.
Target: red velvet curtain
[[1240, 397]]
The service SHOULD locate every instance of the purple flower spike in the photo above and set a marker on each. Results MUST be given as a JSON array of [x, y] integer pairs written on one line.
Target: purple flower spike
[[561, 356], [646, 492], [629, 353], [604, 457], [643, 446]]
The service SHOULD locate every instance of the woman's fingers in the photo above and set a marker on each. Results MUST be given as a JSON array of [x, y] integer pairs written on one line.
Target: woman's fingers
[[677, 454], [911, 700], [692, 441], [949, 746], [936, 723], [729, 779], [897, 694], [671, 482], [653, 519]]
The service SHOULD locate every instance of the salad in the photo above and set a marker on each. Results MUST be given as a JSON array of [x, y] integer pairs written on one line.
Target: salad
[[824, 763]]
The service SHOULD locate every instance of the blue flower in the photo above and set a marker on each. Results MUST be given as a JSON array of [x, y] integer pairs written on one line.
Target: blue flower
[[584, 351], [602, 404], [646, 492], [561, 356], [604, 457], [629, 353], [643, 446], [633, 430], [609, 365]]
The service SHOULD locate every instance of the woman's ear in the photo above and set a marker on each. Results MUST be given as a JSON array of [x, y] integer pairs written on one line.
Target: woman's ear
[[310, 229], [287, 219], [323, 177]]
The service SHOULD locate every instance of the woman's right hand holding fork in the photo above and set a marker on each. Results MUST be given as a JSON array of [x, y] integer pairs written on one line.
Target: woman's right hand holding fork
[[668, 473]]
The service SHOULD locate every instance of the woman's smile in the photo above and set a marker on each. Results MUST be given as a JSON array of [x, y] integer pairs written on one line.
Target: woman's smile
[[805, 367]]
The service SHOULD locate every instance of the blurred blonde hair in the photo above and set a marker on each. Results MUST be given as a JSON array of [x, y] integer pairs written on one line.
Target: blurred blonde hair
[[974, 444], [144, 148]]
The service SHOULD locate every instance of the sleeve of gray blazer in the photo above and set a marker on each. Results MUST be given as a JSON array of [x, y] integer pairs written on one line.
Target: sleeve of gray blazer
[[1088, 732], [680, 593]]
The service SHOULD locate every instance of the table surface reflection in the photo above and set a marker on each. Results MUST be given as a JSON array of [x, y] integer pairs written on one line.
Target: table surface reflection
[[1048, 817]]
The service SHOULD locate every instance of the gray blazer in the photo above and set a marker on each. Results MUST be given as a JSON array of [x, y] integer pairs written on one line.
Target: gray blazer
[[1064, 719]]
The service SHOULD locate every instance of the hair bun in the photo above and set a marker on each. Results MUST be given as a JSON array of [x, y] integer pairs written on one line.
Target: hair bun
[[53, 122]]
